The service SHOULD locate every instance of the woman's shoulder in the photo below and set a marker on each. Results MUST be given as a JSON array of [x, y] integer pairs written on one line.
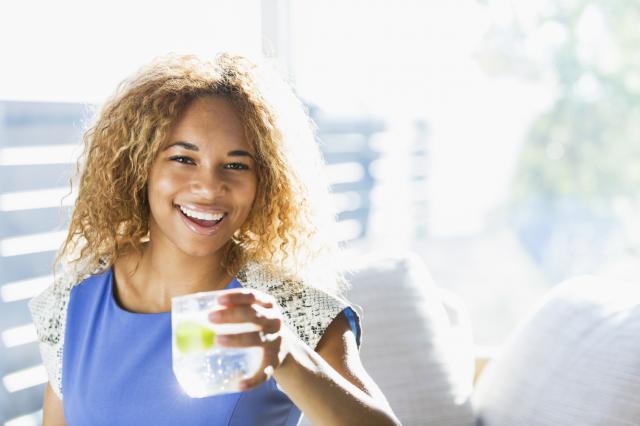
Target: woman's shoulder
[[308, 310], [48, 305], [49, 311]]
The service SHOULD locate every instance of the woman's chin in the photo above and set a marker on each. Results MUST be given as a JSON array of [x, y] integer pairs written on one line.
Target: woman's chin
[[192, 250]]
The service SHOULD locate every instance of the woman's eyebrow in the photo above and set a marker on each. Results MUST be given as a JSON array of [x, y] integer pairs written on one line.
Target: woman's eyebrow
[[185, 145], [240, 153], [192, 147]]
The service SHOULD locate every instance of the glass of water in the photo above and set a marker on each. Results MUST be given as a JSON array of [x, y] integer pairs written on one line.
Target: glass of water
[[202, 367]]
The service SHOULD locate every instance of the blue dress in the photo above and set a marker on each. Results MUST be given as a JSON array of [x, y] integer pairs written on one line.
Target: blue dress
[[116, 370]]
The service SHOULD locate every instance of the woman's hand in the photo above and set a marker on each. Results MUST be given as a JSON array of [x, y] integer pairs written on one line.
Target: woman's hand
[[253, 306]]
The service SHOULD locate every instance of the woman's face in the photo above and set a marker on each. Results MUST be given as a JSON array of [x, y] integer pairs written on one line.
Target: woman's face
[[206, 167]]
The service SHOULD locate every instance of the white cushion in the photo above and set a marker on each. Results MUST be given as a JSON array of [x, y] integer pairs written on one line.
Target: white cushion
[[576, 361], [416, 341]]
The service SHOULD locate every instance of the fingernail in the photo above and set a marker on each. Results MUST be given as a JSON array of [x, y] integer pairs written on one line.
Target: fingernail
[[215, 316], [222, 339]]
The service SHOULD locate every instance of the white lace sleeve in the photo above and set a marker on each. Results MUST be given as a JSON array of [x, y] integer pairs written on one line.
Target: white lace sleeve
[[49, 314], [307, 310]]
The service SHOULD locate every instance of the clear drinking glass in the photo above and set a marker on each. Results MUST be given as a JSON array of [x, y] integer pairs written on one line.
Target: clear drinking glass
[[202, 367]]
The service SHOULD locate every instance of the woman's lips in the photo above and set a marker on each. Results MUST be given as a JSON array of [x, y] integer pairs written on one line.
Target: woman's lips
[[196, 227]]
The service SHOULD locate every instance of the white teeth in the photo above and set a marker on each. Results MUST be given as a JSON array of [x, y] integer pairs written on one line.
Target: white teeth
[[201, 215]]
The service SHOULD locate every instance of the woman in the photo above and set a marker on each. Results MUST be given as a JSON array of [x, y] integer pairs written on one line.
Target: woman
[[201, 176]]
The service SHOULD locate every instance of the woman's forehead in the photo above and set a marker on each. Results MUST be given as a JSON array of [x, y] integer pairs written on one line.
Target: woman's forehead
[[207, 123]]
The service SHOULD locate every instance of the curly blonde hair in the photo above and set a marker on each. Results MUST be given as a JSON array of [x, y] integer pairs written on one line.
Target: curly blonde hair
[[111, 212]]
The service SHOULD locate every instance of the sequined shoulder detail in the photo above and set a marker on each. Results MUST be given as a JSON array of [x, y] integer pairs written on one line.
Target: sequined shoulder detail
[[49, 313], [307, 310]]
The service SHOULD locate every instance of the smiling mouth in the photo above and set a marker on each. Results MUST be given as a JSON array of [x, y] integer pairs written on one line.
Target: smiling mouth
[[201, 224]]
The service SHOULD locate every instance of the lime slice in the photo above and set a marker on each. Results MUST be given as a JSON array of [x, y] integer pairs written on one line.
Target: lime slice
[[193, 337]]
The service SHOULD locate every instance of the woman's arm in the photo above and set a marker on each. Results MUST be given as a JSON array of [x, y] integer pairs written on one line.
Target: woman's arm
[[331, 386], [52, 411]]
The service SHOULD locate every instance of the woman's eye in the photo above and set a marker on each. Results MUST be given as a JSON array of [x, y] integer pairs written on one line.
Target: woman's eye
[[182, 159], [237, 166]]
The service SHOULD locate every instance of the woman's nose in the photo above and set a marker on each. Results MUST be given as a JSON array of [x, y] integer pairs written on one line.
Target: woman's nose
[[208, 185]]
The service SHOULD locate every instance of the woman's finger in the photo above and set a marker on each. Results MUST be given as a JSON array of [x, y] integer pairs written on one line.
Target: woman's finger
[[266, 318], [245, 340], [247, 297], [262, 376]]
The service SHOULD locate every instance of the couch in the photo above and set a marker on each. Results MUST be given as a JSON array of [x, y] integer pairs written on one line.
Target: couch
[[574, 361]]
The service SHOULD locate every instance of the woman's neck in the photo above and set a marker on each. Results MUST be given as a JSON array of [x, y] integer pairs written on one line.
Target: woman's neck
[[146, 282]]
